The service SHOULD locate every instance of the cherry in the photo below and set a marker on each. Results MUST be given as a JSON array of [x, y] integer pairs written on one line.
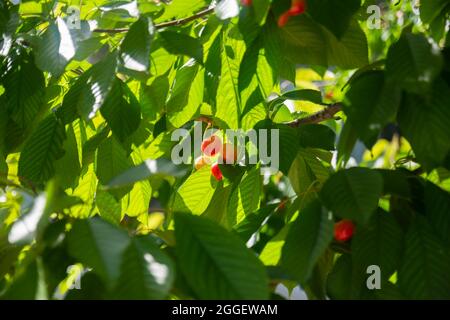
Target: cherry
[[246, 2], [215, 171], [343, 230], [200, 162], [229, 153], [211, 146], [283, 19], [297, 7]]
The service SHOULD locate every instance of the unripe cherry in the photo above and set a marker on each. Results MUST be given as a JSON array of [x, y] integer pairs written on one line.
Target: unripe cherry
[[343, 230], [212, 146], [229, 153], [200, 162], [215, 171]]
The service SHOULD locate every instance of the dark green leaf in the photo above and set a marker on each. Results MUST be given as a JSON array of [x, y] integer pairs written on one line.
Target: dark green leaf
[[333, 14], [425, 123], [182, 44], [146, 272], [216, 264], [135, 48], [413, 63], [121, 110], [353, 193], [45, 146], [99, 245], [372, 103], [308, 237], [424, 271]]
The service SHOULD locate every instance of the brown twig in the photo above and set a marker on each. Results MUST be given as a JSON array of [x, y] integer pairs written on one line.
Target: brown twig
[[326, 114], [172, 23]]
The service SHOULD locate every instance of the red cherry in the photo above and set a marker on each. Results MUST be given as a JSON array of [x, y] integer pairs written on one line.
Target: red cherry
[[211, 146], [215, 171], [246, 2], [283, 19], [298, 7], [343, 230]]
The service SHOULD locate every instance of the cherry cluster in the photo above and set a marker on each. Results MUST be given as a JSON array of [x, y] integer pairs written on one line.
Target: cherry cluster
[[212, 147]]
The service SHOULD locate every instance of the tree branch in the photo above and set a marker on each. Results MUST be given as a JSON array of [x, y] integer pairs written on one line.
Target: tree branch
[[161, 25], [326, 114], [178, 22]]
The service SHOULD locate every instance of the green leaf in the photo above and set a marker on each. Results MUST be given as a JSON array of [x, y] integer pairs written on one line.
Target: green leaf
[[25, 229], [85, 190], [24, 93], [346, 143], [307, 174], [108, 207], [437, 207], [186, 94], [340, 279], [137, 201], [55, 48], [228, 101], [153, 97], [25, 285], [144, 171], [379, 243], [424, 271], [303, 41], [68, 168], [182, 8], [121, 110], [195, 194], [350, 51], [146, 272], [253, 222], [372, 103], [135, 47], [289, 145], [91, 145], [182, 44], [111, 160], [87, 94], [218, 206], [271, 254], [413, 63], [316, 136], [257, 75], [395, 182], [435, 14], [9, 18], [216, 264], [313, 96], [418, 115], [353, 193], [245, 197], [307, 240], [429, 10], [99, 245], [45, 146], [335, 15]]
